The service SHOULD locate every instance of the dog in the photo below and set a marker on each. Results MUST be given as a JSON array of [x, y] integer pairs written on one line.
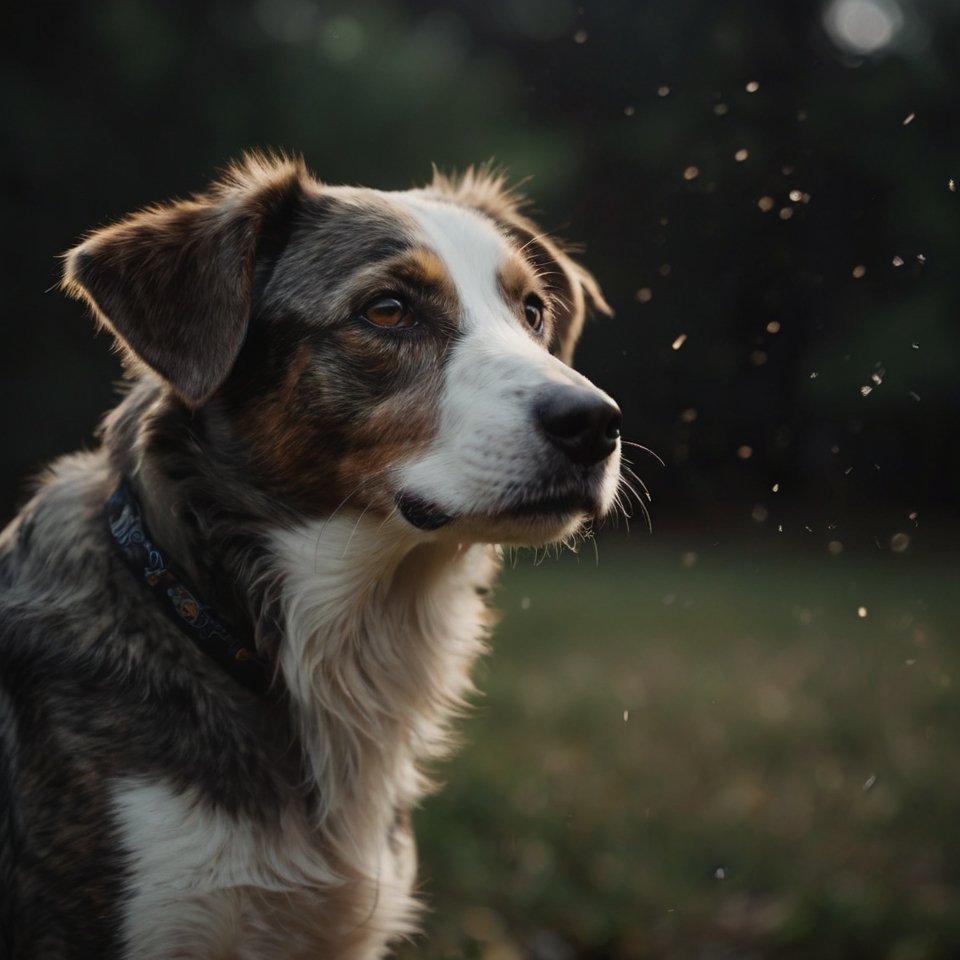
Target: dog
[[233, 636]]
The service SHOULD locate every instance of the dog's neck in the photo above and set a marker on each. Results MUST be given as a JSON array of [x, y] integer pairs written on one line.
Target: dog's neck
[[199, 507], [380, 632], [373, 627]]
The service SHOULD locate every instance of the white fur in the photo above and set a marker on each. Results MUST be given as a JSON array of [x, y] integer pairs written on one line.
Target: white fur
[[382, 626], [486, 447]]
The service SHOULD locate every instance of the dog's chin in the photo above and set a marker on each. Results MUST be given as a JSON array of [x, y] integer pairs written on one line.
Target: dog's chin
[[528, 523]]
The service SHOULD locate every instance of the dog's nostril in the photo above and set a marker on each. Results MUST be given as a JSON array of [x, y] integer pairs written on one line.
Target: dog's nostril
[[613, 425], [585, 425]]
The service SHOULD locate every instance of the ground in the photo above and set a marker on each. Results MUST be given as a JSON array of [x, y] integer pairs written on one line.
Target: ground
[[706, 752]]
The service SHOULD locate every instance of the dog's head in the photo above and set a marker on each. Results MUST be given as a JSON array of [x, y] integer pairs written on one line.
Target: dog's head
[[402, 353]]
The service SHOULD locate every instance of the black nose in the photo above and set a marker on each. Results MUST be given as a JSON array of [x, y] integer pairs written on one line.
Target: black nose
[[585, 425]]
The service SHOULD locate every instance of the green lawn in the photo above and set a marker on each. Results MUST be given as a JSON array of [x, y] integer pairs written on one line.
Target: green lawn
[[703, 755]]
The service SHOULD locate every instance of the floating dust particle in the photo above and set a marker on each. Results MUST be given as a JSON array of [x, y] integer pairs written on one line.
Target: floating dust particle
[[834, 449], [689, 560], [580, 36], [721, 109], [866, 390], [759, 513], [626, 715], [644, 295], [766, 204], [915, 344], [744, 451], [908, 119], [802, 116], [679, 342], [869, 782], [741, 155], [859, 271], [688, 416], [665, 270], [796, 195], [952, 185], [776, 488], [663, 221], [910, 662], [914, 516], [786, 213], [758, 357], [752, 87], [848, 471], [663, 91], [773, 326], [525, 603], [862, 613], [897, 261], [787, 170], [900, 542], [629, 111], [835, 548], [691, 173], [720, 873], [921, 258], [913, 395], [814, 375]]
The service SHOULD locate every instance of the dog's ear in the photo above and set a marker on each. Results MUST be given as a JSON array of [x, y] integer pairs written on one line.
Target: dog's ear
[[486, 189], [173, 283]]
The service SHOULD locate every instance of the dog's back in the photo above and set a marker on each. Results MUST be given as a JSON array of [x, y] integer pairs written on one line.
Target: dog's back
[[231, 636], [58, 729]]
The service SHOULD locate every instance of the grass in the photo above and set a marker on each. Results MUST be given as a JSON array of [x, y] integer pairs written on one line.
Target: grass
[[707, 754]]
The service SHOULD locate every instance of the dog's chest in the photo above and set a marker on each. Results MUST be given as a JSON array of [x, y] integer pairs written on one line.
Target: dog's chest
[[206, 884]]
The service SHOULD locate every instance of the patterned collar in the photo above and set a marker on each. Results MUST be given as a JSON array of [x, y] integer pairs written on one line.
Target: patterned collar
[[177, 597]]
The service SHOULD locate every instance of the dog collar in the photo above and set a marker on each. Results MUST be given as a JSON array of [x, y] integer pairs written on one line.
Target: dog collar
[[177, 597]]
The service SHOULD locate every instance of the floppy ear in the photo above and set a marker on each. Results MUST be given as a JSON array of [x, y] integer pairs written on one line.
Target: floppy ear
[[173, 283], [485, 189]]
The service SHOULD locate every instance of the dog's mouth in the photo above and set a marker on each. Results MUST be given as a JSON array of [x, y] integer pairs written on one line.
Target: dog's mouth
[[426, 515], [423, 514]]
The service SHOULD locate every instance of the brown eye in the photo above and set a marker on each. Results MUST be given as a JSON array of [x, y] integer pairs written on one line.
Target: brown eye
[[533, 313], [389, 312]]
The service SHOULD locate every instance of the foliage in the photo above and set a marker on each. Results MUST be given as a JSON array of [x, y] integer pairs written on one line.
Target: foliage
[[630, 118]]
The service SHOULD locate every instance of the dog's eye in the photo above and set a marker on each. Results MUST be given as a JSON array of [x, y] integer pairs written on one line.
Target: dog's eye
[[533, 313], [389, 312]]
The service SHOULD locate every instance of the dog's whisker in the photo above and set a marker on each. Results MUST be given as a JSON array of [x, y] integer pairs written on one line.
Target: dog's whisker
[[389, 516], [353, 532], [330, 518], [639, 446], [643, 493]]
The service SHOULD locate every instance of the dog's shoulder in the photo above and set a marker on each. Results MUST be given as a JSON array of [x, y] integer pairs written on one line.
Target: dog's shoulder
[[53, 556]]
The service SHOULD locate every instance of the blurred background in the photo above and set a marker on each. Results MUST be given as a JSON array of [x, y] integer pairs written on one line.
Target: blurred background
[[735, 735]]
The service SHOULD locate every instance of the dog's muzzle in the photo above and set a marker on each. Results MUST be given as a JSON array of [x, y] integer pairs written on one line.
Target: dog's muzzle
[[582, 426]]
